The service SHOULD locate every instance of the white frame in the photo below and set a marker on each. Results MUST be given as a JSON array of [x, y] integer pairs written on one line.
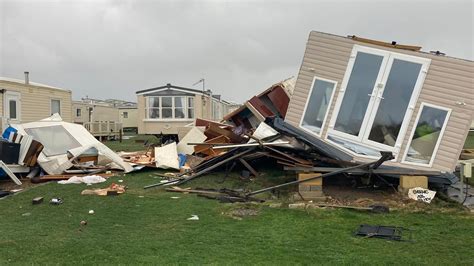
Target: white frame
[[327, 111], [376, 97], [6, 106], [411, 104], [438, 142], [161, 119], [51, 105]]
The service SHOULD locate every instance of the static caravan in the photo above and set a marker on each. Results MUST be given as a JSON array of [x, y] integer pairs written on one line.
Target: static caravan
[[363, 97], [168, 110], [100, 119], [129, 118], [23, 101]]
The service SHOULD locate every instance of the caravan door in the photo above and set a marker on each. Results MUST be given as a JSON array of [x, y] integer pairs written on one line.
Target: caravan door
[[12, 107]]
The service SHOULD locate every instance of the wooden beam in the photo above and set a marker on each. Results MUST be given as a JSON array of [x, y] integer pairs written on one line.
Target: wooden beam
[[249, 167]]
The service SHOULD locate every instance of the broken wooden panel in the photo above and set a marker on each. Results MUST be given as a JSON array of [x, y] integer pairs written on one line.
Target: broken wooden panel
[[280, 100], [216, 131], [261, 107], [207, 149]]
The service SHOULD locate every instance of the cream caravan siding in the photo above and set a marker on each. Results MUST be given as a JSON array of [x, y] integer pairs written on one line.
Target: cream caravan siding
[[449, 83], [131, 120], [36, 101], [99, 113]]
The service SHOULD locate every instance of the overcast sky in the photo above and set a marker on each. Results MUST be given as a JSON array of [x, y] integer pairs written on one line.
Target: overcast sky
[[110, 49]]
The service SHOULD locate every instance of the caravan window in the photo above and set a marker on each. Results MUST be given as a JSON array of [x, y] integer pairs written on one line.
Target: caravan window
[[170, 107], [317, 105], [427, 134], [13, 109]]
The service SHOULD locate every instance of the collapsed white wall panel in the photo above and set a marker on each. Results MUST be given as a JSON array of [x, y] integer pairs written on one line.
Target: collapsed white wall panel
[[57, 164], [167, 156], [194, 136]]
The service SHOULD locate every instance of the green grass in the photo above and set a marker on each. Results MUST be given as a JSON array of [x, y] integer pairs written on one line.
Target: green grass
[[149, 227], [131, 144]]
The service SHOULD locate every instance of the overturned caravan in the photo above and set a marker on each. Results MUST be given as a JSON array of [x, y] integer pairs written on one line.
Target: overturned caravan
[[64, 142], [356, 98]]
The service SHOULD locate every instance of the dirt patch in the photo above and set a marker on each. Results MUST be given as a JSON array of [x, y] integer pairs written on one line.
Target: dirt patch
[[7, 184], [241, 211]]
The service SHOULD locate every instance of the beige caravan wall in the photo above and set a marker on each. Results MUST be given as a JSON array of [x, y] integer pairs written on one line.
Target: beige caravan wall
[[99, 113], [131, 120], [36, 101], [449, 83]]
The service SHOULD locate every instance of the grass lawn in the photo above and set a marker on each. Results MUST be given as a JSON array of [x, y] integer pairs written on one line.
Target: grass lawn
[[148, 226], [469, 144]]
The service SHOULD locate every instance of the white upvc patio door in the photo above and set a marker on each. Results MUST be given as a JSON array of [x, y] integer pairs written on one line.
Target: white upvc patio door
[[377, 97]]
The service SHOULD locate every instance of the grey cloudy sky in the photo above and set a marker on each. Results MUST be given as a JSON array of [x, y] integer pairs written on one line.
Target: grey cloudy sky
[[110, 49]]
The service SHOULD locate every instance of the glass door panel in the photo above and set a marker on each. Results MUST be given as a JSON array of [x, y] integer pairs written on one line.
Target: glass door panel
[[394, 101], [358, 93]]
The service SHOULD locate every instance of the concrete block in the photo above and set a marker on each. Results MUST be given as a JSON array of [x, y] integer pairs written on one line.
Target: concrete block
[[303, 187], [315, 182], [407, 182], [312, 195]]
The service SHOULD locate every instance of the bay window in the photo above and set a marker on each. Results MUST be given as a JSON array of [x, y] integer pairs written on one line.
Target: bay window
[[170, 107]]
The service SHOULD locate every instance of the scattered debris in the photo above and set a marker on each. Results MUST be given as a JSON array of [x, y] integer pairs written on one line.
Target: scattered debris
[[378, 208], [89, 179], [378, 231], [421, 194], [193, 218], [67, 145], [37, 200], [56, 201], [83, 222], [91, 212], [10, 174], [111, 190]]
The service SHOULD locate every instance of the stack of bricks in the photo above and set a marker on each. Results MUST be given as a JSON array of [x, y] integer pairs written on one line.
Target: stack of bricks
[[311, 190]]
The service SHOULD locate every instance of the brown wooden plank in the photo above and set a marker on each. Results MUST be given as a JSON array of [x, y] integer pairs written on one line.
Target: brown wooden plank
[[217, 130], [249, 167], [206, 149], [387, 44], [65, 177]]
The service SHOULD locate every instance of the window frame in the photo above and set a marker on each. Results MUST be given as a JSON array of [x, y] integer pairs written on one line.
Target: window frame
[[438, 142], [51, 105], [173, 106], [78, 112], [325, 120], [125, 115]]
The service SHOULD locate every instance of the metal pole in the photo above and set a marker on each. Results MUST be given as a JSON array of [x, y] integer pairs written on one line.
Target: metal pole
[[385, 157], [181, 181]]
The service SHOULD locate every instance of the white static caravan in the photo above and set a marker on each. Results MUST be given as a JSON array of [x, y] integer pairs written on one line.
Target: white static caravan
[[363, 98]]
